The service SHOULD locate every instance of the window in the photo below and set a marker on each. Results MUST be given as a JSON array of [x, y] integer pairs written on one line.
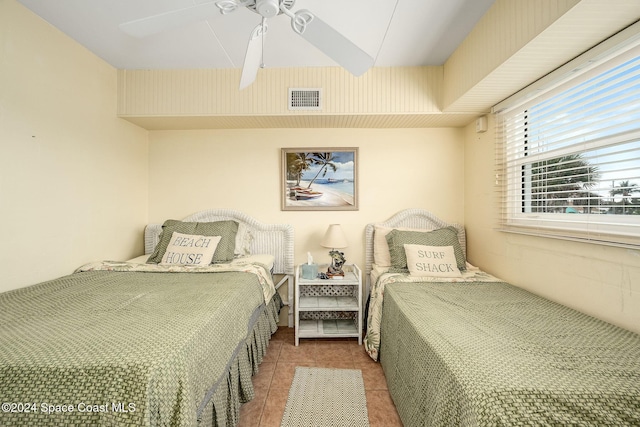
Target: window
[[568, 163]]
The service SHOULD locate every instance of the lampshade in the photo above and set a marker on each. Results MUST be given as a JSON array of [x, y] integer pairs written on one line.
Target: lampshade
[[334, 237]]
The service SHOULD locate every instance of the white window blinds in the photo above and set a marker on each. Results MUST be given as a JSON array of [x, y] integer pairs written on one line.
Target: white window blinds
[[568, 159]]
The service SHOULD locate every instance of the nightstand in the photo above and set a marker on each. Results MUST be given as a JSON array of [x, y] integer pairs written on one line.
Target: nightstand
[[329, 308]]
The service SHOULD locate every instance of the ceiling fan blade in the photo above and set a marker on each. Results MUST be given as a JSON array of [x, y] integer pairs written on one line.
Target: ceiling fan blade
[[157, 23], [253, 57], [331, 42]]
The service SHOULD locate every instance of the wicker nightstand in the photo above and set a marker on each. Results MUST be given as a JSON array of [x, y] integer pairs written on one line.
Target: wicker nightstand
[[329, 308]]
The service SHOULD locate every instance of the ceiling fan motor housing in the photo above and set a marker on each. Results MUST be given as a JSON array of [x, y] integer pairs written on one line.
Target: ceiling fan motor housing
[[268, 8]]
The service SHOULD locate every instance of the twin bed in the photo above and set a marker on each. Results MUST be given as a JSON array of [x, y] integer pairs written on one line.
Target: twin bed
[[133, 343], [473, 350]]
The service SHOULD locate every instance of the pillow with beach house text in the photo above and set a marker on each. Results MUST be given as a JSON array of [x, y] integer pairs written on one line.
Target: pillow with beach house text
[[190, 249], [226, 229]]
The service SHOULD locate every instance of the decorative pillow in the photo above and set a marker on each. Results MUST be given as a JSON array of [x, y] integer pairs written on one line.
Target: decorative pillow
[[381, 255], [447, 236], [227, 230], [189, 249], [244, 238], [434, 261]]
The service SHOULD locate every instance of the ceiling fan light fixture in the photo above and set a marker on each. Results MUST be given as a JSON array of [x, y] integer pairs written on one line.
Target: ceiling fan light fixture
[[268, 8], [313, 29]]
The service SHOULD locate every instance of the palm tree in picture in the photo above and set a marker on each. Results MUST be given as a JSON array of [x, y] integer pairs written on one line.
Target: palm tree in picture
[[625, 189], [297, 164], [325, 160]]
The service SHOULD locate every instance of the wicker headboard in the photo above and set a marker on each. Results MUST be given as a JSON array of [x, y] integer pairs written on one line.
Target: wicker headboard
[[275, 239], [412, 218]]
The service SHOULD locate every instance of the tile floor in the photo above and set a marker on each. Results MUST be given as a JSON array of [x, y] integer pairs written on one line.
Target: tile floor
[[277, 369]]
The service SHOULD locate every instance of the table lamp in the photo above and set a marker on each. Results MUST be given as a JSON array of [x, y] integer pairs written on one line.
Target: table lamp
[[334, 238]]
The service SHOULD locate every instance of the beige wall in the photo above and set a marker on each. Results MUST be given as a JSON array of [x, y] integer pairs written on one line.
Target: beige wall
[[599, 280], [193, 170], [240, 169], [73, 177]]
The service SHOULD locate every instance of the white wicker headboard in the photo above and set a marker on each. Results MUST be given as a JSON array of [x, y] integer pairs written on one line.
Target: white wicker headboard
[[412, 218], [275, 239]]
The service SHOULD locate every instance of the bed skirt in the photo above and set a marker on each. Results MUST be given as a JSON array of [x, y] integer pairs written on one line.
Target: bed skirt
[[222, 408]]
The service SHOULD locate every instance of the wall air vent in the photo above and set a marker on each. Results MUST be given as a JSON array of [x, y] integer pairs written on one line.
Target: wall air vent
[[305, 99]]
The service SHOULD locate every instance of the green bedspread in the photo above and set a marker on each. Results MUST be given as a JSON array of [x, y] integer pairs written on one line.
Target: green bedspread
[[488, 354], [122, 347]]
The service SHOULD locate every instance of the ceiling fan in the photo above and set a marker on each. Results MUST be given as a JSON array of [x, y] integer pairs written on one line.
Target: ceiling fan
[[303, 22]]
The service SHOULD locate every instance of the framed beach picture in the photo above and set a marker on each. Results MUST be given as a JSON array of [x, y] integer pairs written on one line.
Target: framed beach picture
[[319, 179]]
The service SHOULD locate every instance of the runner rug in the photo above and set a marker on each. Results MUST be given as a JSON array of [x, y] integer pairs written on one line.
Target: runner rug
[[321, 397]]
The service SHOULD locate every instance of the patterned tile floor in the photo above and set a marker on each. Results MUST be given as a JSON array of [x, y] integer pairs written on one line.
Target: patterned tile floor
[[276, 374]]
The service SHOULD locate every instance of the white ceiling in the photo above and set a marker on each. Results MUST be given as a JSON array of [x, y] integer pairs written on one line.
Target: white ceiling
[[406, 33]]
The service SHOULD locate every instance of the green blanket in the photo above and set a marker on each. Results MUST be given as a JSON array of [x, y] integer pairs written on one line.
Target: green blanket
[[121, 347], [487, 354]]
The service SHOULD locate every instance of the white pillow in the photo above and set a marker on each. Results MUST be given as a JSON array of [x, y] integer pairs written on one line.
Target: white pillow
[[244, 238], [433, 261], [190, 249], [381, 255]]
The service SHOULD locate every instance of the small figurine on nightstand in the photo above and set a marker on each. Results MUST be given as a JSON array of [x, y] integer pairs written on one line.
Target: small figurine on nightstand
[[335, 238], [337, 261]]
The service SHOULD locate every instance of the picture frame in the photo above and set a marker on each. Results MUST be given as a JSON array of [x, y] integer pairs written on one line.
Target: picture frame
[[319, 179]]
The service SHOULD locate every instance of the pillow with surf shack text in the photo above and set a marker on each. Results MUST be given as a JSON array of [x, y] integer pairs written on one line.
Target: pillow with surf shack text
[[447, 236], [433, 261], [227, 231], [190, 249]]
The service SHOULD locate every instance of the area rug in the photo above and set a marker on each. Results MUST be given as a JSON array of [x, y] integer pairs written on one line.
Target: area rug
[[321, 397]]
